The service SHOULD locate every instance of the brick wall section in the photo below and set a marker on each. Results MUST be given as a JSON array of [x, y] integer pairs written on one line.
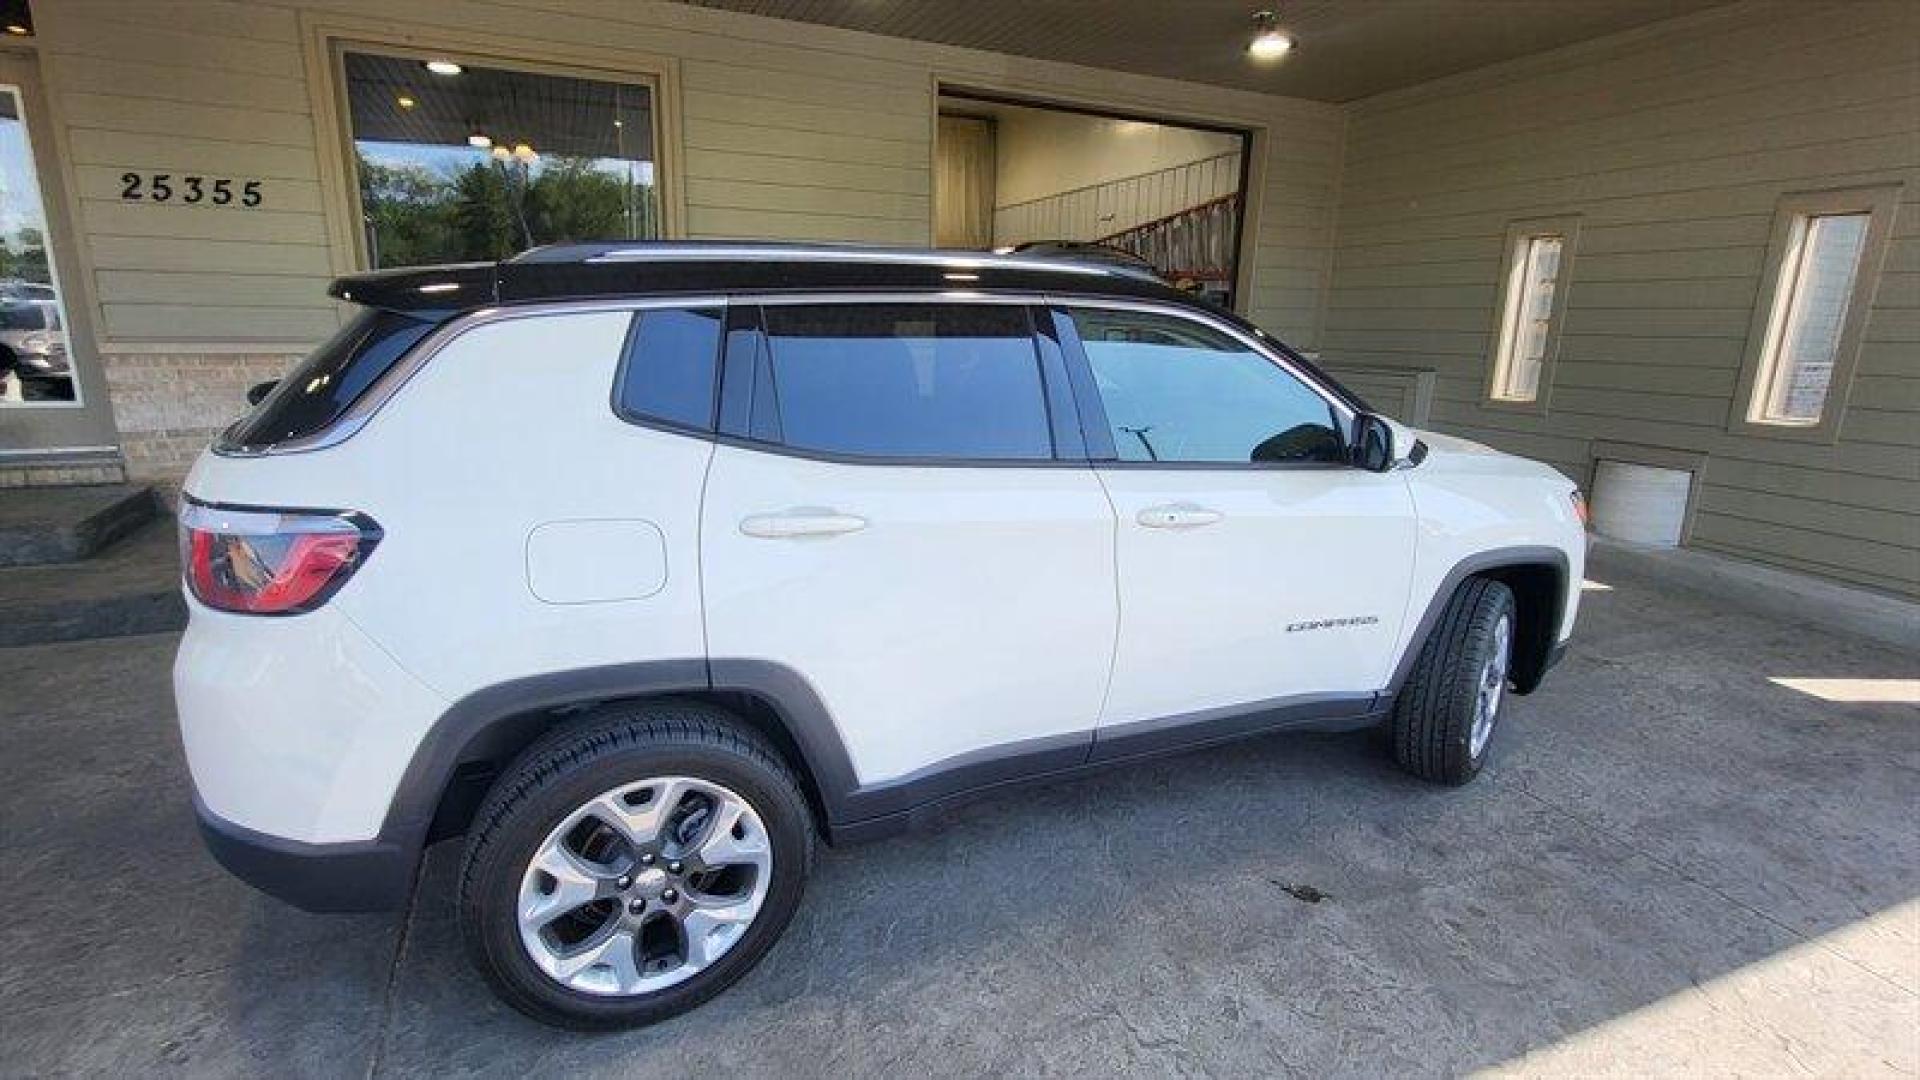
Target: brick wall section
[[169, 406], [26, 476]]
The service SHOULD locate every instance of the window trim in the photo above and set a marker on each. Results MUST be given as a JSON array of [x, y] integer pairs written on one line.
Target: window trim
[[1881, 203], [1517, 239], [1101, 451], [731, 433]]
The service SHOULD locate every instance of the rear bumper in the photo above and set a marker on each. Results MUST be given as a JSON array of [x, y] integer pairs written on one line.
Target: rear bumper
[[369, 875], [298, 728]]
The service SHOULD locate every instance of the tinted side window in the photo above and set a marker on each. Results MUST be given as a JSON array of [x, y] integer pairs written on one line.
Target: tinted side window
[[328, 382], [1178, 391], [908, 380], [668, 372]]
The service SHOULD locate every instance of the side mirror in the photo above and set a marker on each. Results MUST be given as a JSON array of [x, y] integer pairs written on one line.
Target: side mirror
[[258, 391], [1372, 447]]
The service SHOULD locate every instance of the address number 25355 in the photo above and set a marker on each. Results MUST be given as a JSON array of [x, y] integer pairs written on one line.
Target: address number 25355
[[188, 189]]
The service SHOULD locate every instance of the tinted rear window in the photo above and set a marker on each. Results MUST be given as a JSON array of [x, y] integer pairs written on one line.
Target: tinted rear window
[[328, 382], [672, 357], [908, 380]]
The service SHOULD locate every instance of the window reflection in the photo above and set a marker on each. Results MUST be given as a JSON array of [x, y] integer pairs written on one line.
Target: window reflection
[[486, 162], [908, 381], [1175, 391]]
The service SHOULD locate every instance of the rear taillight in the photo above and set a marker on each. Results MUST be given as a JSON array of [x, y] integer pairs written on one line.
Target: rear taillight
[[270, 562], [1580, 509]]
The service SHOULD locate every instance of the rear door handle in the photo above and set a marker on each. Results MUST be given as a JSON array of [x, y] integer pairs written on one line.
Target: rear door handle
[[1177, 516], [801, 522]]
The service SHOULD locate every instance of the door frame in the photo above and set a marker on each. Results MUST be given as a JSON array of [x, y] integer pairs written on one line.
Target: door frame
[[1253, 143], [83, 427]]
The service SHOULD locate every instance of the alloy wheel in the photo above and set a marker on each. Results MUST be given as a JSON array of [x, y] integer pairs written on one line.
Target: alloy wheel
[[644, 886], [1492, 687]]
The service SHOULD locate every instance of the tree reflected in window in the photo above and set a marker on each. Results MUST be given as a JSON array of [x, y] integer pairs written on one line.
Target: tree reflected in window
[[487, 163]]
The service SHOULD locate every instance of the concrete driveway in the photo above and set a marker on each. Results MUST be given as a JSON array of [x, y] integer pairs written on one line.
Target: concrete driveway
[[1673, 864]]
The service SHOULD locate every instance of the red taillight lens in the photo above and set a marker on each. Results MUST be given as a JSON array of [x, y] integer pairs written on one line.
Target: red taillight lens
[[1580, 509], [270, 562]]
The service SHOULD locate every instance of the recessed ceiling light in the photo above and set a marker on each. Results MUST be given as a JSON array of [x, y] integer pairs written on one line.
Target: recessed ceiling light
[[405, 102], [479, 140], [1268, 43], [501, 153], [523, 152], [443, 67], [18, 30]]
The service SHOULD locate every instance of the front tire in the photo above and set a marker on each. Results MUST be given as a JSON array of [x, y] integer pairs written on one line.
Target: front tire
[[632, 865], [1444, 717]]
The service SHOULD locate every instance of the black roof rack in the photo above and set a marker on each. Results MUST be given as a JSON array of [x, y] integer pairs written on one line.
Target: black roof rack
[[607, 270]]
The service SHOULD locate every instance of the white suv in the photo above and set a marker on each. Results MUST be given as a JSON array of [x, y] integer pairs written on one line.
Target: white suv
[[645, 566]]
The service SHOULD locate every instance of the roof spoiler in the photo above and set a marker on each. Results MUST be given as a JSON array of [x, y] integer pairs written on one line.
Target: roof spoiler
[[428, 291]]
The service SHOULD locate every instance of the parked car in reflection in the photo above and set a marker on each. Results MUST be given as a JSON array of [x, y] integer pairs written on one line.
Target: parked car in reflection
[[34, 365]]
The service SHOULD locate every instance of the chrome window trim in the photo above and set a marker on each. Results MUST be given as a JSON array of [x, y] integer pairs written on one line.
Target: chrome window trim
[[389, 384], [370, 403]]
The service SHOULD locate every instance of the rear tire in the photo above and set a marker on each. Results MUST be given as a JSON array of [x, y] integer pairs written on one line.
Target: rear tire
[[1445, 716], [681, 842]]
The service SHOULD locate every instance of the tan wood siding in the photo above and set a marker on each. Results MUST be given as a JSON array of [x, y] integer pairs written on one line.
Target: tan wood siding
[[1674, 145], [785, 131]]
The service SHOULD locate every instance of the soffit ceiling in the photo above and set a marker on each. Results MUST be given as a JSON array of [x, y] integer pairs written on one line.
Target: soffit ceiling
[[1346, 49]]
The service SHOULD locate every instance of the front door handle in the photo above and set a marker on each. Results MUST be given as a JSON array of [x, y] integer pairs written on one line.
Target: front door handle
[[1177, 516], [806, 521]]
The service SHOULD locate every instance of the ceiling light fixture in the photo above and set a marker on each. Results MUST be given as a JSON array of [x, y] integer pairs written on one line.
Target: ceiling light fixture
[[479, 140], [443, 67], [405, 102], [523, 152], [501, 153], [17, 30], [1269, 42]]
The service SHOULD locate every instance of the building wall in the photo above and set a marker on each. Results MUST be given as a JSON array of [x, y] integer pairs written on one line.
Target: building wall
[[1674, 144], [774, 130]]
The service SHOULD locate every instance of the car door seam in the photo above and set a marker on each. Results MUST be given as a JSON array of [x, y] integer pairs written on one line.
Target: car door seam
[[1119, 612]]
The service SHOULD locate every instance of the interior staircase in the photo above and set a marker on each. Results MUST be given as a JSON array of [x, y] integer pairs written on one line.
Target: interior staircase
[[87, 562]]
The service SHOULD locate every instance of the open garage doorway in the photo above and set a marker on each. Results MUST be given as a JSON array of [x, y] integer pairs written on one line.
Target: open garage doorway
[[1018, 174]]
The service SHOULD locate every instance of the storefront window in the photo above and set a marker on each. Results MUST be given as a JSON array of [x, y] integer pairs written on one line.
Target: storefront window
[[34, 365], [458, 163]]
